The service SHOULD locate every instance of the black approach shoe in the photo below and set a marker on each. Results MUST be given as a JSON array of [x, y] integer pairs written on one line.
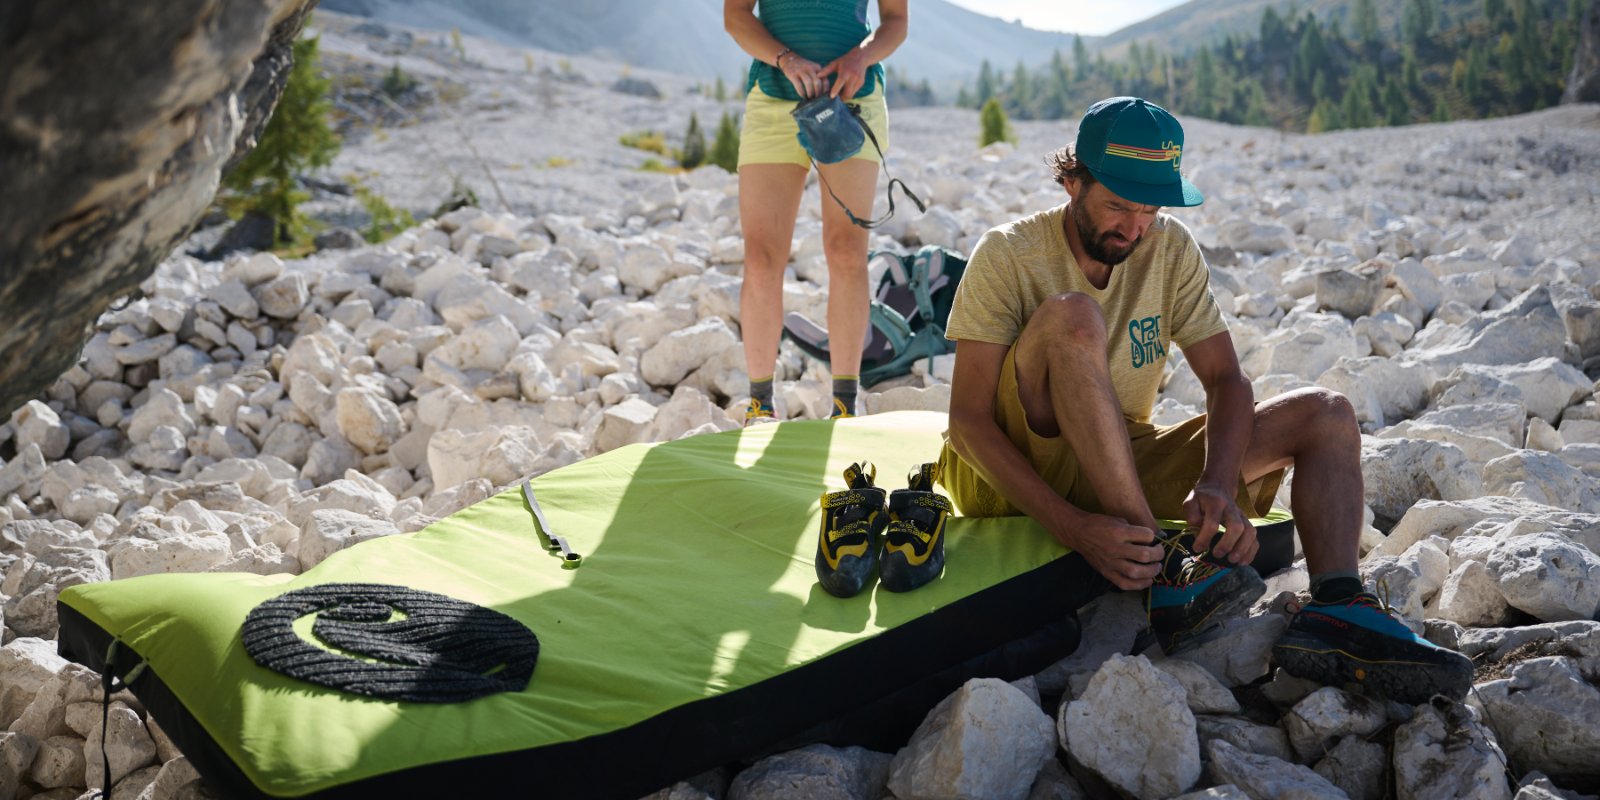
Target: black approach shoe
[[852, 531], [1361, 641], [1200, 595], [913, 550]]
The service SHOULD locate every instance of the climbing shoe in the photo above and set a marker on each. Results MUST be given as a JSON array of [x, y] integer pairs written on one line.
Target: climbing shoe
[[1361, 641], [1194, 593], [839, 410], [758, 413], [913, 547], [853, 522]]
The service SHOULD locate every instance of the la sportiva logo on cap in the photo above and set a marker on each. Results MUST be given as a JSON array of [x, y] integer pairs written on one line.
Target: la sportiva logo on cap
[[1167, 152]]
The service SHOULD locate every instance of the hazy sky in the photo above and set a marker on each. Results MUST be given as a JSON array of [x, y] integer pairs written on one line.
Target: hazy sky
[[1073, 16]]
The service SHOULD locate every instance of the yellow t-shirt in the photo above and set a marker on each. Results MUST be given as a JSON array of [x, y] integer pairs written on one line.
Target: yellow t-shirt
[[1159, 296]]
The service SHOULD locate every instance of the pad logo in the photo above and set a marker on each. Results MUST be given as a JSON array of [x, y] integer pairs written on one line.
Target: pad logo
[[1144, 341]]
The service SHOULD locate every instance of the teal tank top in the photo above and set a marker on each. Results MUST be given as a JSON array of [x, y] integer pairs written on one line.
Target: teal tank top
[[821, 30]]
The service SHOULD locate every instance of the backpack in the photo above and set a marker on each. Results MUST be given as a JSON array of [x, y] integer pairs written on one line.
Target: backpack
[[907, 316]]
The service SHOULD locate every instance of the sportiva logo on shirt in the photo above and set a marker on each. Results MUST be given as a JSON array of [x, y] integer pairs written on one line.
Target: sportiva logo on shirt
[[1145, 341]]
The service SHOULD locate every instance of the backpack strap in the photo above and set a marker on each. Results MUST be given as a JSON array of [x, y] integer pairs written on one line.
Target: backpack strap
[[855, 112]]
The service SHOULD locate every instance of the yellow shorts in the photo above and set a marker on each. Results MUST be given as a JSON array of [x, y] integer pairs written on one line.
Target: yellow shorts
[[1169, 459], [770, 136]]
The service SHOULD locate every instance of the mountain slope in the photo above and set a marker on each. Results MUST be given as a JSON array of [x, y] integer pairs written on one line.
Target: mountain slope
[[948, 43]]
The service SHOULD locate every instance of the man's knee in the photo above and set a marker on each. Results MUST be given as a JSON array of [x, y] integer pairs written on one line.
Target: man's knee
[[1326, 412], [1073, 317]]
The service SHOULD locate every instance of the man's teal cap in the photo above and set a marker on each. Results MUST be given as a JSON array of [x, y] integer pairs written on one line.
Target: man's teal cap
[[1134, 147]]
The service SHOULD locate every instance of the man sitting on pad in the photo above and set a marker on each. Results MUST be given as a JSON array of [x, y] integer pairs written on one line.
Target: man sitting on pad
[[1063, 322]]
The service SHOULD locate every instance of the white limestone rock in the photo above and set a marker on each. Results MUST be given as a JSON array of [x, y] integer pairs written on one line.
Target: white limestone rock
[[1472, 597], [1055, 783], [162, 408], [1206, 695], [128, 746], [815, 771], [1547, 575], [1133, 728], [188, 552], [1238, 651], [368, 420], [38, 424], [1546, 714], [1328, 714], [1526, 329], [987, 739], [1487, 516], [17, 752], [59, 763], [1381, 390], [1398, 473], [1109, 625], [504, 456], [1260, 776], [332, 530], [671, 359], [1543, 478], [627, 423], [1445, 753], [282, 297], [1251, 737], [1356, 766]]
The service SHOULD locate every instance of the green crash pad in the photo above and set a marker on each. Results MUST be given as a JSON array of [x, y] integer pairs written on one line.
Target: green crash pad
[[692, 633]]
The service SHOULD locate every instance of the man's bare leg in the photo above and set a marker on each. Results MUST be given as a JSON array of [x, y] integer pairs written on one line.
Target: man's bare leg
[[1315, 431], [1062, 376]]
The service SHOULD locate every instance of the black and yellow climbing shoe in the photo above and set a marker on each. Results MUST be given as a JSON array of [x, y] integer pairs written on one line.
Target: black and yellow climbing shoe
[[913, 548], [852, 531]]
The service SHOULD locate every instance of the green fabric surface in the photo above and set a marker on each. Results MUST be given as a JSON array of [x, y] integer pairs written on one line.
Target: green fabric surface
[[697, 579]]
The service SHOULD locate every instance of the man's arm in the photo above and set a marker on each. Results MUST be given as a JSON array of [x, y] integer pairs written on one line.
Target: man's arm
[[1119, 551], [1230, 416]]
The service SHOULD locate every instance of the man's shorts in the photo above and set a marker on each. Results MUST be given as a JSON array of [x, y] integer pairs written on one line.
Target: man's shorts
[[770, 136], [1169, 459]]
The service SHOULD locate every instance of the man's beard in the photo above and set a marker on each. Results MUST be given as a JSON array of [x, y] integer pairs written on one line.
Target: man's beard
[[1108, 248]]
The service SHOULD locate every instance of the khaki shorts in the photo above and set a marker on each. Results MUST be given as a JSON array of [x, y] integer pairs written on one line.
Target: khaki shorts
[[1169, 459], [770, 136]]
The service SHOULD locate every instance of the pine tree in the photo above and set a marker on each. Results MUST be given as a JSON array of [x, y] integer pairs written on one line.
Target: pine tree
[[1325, 117], [725, 148], [1366, 23], [986, 87], [1021, 92], [1204, 87], [996, 128], [721, 92], [1080, 58], [694, 145], [1396, 110], [296, 139]]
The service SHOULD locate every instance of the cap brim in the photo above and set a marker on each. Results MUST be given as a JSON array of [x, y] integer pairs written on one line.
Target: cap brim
[[1179, 194]]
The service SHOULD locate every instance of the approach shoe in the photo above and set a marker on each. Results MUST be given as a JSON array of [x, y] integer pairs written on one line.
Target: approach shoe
[[913, 547], [853, 522], [1201, 593], [758, 413], [1362, 641]]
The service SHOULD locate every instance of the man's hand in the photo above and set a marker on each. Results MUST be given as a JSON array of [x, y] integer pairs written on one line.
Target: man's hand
[[1208, 508], [1125, 554], [849, 73]]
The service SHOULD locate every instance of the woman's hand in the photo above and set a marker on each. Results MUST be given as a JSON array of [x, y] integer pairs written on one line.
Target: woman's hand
[[849, 72], [805, 74]]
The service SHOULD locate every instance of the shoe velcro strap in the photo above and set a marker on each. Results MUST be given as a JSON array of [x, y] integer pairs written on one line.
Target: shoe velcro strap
[[938, 501], [852, 497]]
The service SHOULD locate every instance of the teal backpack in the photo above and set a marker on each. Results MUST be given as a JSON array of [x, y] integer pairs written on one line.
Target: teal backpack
[[908, 314]]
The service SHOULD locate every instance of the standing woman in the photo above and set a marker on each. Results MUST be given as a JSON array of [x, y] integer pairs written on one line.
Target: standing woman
[[804, 48]]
